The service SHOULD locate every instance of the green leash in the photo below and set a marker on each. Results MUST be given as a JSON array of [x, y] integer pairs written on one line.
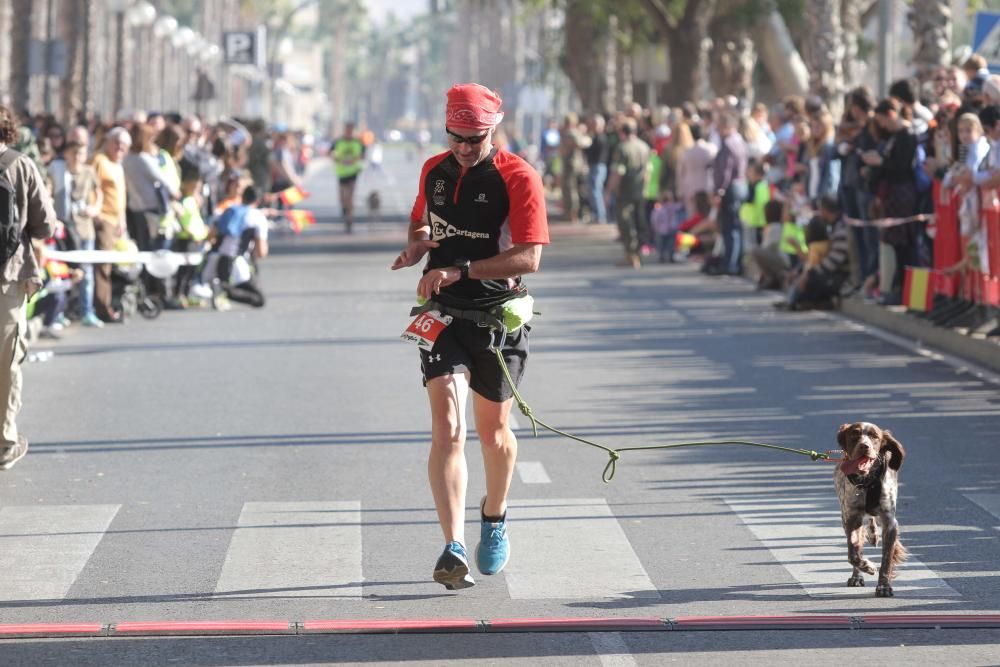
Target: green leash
[[615, 454], [497, 322]]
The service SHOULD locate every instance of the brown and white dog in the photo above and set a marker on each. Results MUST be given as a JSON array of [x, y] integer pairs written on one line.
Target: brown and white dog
[[867, 483]]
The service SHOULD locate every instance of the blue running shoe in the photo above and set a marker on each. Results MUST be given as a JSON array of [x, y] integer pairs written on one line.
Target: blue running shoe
[[493, 550], [452, 569]]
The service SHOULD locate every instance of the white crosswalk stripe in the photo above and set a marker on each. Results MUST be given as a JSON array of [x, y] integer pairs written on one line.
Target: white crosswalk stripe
[[532, 472], [805, 536], [295, 549], [572, 548], [988, 501], [611, 649], [43, 548]]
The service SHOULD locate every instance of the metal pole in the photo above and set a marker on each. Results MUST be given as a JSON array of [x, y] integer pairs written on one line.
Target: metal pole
[[884, 45]]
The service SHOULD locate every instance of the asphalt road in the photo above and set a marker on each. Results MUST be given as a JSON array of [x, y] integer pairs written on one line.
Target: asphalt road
[[270, 464]]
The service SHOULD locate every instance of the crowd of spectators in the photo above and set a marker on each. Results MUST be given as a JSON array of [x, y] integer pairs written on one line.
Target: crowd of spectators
[[150, 182], [815, 205]]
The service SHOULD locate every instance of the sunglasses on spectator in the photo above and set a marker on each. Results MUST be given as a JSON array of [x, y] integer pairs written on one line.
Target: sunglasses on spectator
[[472, 141]]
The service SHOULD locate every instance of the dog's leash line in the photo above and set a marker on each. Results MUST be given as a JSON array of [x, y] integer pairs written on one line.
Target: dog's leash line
[[615, 453]]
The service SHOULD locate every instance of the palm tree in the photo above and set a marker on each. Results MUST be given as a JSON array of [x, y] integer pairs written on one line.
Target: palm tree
[[824, 49], [73, 18], [22, 22], [930, 21]]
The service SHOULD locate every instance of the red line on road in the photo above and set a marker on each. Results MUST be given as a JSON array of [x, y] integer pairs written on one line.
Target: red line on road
[[203, 628], [456, 625], [574, 624], [392, 625], [932, 620], [760, 622], [14, 630]]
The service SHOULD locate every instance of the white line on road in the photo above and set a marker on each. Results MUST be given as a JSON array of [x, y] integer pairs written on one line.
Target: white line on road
[[532, 472], [806, 537], [295, 549], [44, 548], [572, 548], [611, 649], [988, 501]]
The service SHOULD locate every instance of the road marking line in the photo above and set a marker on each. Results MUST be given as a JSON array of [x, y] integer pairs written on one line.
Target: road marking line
[[572, 548], [805, 536], [611, 649], [295, 549], [532, 472], [988, 501], [44, 548]]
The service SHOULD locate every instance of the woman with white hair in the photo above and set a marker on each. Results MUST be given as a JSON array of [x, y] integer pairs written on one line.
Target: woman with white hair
[[109, 225]]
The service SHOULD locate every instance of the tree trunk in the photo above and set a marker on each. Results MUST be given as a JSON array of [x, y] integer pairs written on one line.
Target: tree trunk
[[685, 43], [587, 69], [784, 65], [824, 50], [850, 24], [72, 22], [21, 30], [930, 21], [731, 59]]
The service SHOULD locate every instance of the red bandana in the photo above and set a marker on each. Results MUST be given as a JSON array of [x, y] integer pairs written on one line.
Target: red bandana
[[472, 107]]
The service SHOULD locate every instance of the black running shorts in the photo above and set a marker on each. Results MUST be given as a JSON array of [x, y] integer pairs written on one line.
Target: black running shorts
[[465, 347]]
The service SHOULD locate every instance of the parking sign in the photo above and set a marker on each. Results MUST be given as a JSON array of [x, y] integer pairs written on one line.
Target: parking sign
[[245, 47]]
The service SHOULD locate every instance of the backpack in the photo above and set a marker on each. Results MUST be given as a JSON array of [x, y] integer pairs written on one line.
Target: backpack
[[233, 221], [10, 222]]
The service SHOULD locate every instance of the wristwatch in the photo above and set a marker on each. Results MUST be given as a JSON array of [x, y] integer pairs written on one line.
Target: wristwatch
[[463, 265]]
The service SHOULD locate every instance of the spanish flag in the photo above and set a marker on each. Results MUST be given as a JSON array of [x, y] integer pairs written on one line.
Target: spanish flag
[[300, 219], [292, 195], [917, 294]]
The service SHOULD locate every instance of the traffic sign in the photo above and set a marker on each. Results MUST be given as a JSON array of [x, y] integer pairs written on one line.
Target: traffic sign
[[986, 38], [245, 47]]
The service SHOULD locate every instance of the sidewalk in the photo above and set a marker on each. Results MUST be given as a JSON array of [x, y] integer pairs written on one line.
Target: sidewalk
[[894, 319]]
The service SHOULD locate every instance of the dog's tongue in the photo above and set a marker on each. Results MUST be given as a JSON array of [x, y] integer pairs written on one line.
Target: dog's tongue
[[860, 464]]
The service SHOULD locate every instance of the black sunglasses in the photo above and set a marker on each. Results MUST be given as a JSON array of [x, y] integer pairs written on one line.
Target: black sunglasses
[[472, 141]]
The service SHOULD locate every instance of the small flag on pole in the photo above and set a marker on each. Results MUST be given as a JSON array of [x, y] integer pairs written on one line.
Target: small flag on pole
[[292, 196], [917, 294], [300, 219]]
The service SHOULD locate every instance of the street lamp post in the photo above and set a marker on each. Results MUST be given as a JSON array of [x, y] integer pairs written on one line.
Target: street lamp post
[[163, 30], [140, 17], [180, 41]]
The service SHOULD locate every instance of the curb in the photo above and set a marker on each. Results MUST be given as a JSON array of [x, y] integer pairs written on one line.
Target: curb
[[499, 625], [982, 352]]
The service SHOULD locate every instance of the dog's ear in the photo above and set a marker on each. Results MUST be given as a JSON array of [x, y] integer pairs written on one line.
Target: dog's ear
[[842, 435], [895, 447]]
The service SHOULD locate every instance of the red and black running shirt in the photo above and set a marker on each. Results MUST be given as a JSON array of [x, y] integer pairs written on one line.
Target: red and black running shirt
[[478, 214]]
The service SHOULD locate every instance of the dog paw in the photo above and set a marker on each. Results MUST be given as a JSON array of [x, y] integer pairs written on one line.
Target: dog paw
[[883, 591], [867, 566], [856, 581]]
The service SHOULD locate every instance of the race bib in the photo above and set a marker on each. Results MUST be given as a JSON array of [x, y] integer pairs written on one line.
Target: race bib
[[424, 330]]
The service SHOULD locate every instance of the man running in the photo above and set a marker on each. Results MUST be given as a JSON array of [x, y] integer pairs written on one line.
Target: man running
[[480, 218], [348, 158]]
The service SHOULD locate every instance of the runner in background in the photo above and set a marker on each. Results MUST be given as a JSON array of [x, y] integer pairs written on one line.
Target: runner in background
[[348, 155]]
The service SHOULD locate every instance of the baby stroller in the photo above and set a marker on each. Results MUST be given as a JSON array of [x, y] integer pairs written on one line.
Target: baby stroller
[[129, 293]]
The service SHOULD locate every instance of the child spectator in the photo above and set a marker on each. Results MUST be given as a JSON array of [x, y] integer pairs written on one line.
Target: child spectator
[[752, 211], [191, 234], [779, 247], [665, 218], [701, 223], [817, 286], [49, 302]]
